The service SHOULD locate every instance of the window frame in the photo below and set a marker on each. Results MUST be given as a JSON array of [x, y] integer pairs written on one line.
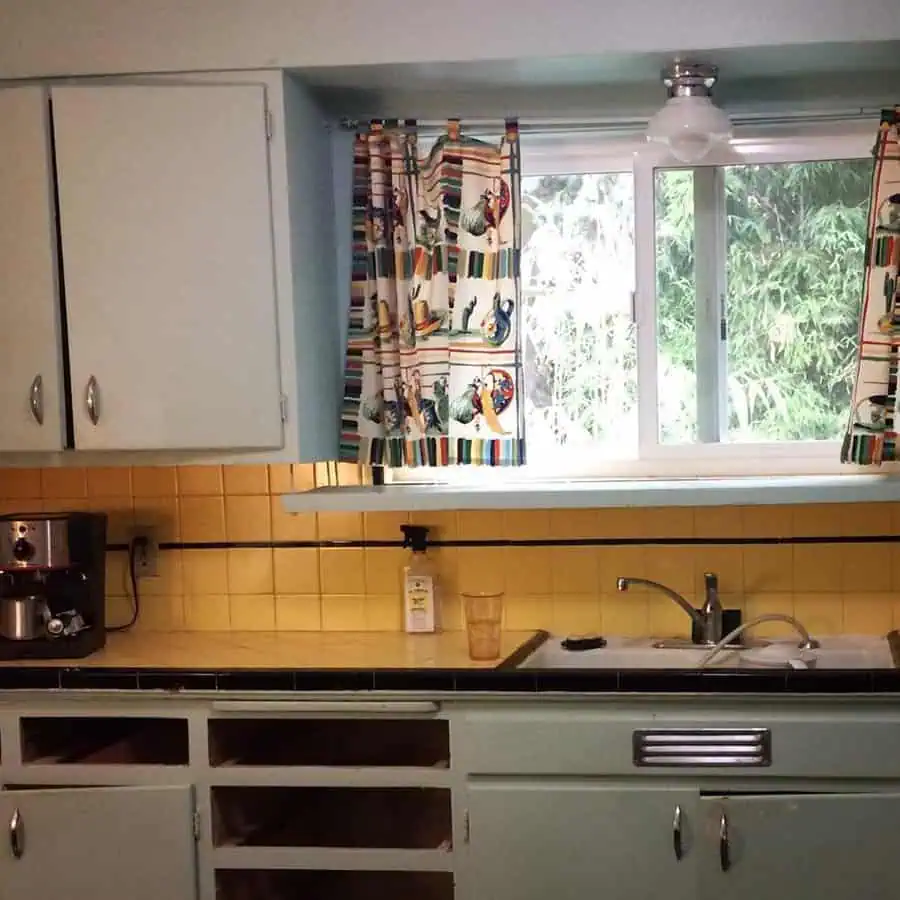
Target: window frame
[[593, 151], [764, 145]]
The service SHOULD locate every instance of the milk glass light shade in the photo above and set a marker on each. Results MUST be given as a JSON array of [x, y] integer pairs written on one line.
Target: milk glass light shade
[[690, 123]]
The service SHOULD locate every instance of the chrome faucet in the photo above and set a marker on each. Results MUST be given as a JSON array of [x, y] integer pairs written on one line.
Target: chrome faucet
[[707, 621]]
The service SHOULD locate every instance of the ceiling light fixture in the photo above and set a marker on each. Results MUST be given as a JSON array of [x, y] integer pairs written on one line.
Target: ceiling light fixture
[[690, 123]]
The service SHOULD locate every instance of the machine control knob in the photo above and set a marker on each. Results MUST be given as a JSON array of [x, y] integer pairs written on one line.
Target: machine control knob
[[23, 550]]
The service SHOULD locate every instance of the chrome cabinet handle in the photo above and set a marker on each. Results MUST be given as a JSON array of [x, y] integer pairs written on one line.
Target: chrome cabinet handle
[[676, 834], [37, 399], [92, 400], [17, 834], [724, 847]]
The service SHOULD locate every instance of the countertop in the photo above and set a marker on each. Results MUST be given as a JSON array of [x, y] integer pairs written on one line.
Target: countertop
[[262, 650], [359, 663]]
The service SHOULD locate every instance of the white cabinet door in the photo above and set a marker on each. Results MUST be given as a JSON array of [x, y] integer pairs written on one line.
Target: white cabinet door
[[571, 841], [168, 266], [31, 395], [827, 847], [98, 844]]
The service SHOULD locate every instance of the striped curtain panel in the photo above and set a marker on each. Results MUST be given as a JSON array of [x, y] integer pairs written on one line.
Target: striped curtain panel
[[872, 435], [433, 367]]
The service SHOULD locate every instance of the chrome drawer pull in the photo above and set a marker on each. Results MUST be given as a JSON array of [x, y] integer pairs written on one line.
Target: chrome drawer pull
[[37, 399], [676, 834], [724, 847], [92, 400], [17, 834]]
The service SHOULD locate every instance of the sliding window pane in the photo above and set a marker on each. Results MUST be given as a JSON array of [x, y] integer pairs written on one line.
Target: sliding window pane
[[579, 340], [796, 237]]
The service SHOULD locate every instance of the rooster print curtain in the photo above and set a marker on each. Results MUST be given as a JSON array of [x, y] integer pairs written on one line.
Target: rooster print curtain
[[872, 433], [433, 368]]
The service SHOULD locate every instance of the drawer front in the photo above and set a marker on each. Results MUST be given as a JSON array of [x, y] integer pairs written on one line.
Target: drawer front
[[575, 741]]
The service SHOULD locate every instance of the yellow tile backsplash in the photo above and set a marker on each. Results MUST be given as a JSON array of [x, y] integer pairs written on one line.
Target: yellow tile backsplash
[[248, 518], [109, 482], [246, 480], [298, 612], [252, 612], [64, 483], [250, 571], [207, 612], [202, 519], [205, 572], [853, 587], [296, 570]]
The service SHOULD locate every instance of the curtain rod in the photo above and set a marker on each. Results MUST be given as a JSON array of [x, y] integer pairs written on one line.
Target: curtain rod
[[568, 126]]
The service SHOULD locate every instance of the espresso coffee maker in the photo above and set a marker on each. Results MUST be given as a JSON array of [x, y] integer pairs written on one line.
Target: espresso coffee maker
[[52, 591]]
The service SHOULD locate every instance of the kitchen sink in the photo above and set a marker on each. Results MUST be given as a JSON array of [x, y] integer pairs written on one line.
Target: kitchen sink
[[843, 652]]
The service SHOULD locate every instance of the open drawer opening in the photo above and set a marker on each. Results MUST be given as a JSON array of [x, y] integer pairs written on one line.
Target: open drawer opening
[[329, 742], [104, 741], [389, 818], [258, 884]]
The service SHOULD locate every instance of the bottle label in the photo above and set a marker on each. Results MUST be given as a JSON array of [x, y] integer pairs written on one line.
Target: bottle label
[[419, 603]]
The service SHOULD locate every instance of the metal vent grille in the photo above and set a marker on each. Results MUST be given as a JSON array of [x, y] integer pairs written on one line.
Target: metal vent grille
[[703, 747]]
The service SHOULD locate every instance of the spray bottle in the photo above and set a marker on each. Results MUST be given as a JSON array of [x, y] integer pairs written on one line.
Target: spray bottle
[[420, 590]]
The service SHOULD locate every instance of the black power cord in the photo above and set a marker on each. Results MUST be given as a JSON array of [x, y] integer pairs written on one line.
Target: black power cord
[[134, 545]]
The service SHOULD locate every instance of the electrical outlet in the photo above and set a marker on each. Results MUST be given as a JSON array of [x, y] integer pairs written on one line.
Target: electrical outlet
[[146, 553]]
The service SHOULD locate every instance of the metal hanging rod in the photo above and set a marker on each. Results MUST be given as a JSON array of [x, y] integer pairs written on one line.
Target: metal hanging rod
[[616, 126], [487, 124]]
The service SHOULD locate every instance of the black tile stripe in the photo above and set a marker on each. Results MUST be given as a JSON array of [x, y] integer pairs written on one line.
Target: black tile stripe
[[535, 542], [499, 680]]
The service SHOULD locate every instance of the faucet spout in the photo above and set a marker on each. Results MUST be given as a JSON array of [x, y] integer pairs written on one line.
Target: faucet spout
[[707, 621], [622, 584]]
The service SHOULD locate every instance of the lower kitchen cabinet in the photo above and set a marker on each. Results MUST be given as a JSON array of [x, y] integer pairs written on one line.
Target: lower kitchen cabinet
[[827, 846], [533, 840], [572, 840], [130, 843]]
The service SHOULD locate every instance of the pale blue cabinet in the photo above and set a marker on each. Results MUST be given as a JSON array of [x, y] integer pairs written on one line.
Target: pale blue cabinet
[[562, 840], [133, 843], [825, 846], [571, 840]]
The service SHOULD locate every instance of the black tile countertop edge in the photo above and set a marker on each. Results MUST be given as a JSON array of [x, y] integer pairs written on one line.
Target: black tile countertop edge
[[499, 680]]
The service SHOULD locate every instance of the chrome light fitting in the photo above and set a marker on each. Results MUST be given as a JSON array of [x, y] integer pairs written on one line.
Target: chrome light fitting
[[690, 124]]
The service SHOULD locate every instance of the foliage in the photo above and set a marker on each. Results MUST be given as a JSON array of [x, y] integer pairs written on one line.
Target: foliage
[[578, 273], [795, 237]]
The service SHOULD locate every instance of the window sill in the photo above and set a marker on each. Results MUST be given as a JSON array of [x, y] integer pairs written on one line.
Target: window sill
[[754, 491]]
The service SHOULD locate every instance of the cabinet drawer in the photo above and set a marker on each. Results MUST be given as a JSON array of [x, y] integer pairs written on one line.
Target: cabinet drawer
[[378, 818], [570, 740], [104, 740], [302, 741]]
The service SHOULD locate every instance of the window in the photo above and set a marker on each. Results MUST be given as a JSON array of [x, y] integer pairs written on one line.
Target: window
[[686, 321]]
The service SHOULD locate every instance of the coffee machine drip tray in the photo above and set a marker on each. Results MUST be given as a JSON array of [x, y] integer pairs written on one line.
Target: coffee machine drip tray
[[77, 647]]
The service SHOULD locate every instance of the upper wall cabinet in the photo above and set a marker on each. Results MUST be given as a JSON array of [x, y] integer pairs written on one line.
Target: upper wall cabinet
[[183, 304], [168, 266], [31, 389]]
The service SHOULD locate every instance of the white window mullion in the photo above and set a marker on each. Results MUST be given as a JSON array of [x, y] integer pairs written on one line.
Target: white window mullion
[[710, 289], [645, 304]]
